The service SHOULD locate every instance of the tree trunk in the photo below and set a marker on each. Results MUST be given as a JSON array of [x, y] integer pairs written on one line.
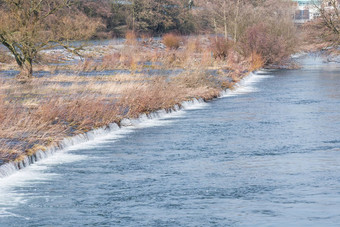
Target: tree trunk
[[236, 20], [215, 26], [225, 20], [26, 70]]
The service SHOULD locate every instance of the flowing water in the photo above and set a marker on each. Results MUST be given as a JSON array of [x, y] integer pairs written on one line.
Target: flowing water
[[267, 154]]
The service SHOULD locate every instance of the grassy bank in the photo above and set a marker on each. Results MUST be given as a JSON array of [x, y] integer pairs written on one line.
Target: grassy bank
[[39, 113]]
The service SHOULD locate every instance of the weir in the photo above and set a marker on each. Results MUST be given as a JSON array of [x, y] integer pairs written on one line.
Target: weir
[[11, 167], [244, 86]]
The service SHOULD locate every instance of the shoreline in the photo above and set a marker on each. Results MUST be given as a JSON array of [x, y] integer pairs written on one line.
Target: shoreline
[[11, 167], [39, 115], [8, 168]]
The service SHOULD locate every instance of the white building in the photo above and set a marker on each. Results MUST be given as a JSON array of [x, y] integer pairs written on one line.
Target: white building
[[306, 10]]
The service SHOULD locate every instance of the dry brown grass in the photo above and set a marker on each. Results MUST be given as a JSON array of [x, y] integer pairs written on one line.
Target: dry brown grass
[[196, 52], [41, 112], [131, 38]]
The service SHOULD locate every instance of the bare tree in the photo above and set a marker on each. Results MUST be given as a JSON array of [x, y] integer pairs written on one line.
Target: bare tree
[[221, 13], [30, 26], [236, 20], [327, 26]]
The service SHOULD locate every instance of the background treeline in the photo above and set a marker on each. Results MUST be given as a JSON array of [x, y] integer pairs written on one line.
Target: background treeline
[[183, 16], [253, 27], [142, 16]]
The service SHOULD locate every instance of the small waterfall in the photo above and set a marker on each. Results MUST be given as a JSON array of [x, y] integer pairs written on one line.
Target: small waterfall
[[243, 87], [11, 167], [246, 85]]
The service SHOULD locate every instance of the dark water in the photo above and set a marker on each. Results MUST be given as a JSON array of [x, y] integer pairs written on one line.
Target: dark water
[[267, 155]]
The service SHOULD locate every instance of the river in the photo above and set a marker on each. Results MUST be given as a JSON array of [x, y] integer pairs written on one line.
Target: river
[[267, 154]]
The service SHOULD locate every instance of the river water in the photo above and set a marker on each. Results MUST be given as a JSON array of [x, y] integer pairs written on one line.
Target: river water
[[267, 154]]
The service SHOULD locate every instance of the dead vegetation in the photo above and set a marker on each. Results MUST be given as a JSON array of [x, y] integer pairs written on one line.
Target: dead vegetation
[[41, 112]]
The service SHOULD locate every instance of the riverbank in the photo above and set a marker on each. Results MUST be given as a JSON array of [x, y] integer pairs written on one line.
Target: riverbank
[[61, 112], [37, 115]]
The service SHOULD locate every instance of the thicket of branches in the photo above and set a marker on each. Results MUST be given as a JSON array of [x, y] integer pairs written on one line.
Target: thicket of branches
[[262, 28], [325, 30]]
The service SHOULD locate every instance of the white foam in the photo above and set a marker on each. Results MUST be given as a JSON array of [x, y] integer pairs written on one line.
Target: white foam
[[194, 104], [36, 173], [298, 55], [247, 85]]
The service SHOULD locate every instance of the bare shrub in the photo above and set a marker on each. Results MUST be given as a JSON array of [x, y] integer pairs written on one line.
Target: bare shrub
[[220, 47], [88, 65], [2, 108], [195, 79], [273, 48], [152, 96], [206, 58], [325, 29], [128, 58], [171, 41]]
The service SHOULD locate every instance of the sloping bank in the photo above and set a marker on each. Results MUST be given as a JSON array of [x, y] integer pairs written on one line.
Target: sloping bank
[[13, 166]]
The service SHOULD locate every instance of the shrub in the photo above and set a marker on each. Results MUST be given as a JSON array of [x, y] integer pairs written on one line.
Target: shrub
[[263, 40], [220, 48], [171, 41], [88, 65]]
